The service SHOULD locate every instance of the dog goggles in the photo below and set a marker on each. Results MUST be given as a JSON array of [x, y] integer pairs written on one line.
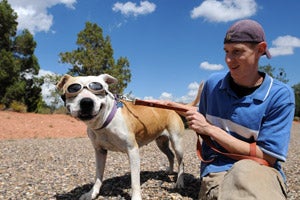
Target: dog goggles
[[75, 88]]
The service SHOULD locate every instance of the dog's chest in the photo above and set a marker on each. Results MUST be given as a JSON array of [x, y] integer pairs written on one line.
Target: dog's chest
[[110, 141]]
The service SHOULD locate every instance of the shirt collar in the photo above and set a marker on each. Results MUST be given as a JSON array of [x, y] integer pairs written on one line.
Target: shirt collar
[[260, 94]]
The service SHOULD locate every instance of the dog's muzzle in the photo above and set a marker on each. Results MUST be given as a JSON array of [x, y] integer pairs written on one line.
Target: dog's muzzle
[[86, 109]]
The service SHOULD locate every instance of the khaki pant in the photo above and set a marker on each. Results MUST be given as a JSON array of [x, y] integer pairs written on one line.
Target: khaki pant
[[245, 180]]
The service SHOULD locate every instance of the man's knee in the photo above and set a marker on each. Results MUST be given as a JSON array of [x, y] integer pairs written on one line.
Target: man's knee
[[250, 179], [246, 169]]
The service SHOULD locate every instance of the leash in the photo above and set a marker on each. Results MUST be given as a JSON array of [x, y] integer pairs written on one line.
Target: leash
[[157, 105], [206, 139], [209, 142]]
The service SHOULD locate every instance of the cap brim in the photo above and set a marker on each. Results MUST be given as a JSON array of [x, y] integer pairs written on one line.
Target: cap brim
[[267, 53]]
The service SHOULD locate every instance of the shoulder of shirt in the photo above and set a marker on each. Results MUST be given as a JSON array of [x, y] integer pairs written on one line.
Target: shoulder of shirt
[[282, 90], [215, 77], [282, 86]]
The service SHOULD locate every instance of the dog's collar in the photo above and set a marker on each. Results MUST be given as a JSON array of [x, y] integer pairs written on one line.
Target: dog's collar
[[110, 116]]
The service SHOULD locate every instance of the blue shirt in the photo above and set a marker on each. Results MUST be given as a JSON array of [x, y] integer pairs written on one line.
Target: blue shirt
[[265, 116]]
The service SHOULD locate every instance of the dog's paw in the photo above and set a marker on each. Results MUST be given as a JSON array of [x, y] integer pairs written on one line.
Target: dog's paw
[[88, 196], [169, 170], [180, 182], [179, 186], [136, 196]]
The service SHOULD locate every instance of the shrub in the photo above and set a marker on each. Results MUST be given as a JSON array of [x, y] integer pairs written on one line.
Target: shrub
[[18, 107], [61, 110], [2, 106], [44, 110]]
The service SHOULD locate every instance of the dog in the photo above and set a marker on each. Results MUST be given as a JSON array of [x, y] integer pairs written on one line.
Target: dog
[[121, 129]]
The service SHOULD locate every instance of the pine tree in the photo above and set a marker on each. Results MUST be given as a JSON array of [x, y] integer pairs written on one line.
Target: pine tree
[[18, 64], [94, 56]]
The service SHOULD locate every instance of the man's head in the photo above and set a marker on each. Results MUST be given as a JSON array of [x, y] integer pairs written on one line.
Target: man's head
[[246, 31], [244, 44]]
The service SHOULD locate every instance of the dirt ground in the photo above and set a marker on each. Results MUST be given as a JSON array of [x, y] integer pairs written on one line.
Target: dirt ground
[[15, 125]]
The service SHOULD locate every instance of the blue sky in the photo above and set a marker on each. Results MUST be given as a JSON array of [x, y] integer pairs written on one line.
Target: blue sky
[[171, 45]]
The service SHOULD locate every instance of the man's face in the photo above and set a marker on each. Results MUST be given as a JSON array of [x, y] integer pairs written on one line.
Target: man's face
[[242, 59]]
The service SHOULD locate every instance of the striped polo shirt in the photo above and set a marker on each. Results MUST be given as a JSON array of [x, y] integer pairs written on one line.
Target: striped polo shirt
[[265, 116]]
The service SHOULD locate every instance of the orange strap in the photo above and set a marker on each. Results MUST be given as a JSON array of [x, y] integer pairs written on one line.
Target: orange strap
[[252, 149], [209, 142]]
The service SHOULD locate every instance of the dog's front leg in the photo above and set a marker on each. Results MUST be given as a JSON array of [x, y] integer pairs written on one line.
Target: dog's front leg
[[101, 155], [134, 159]]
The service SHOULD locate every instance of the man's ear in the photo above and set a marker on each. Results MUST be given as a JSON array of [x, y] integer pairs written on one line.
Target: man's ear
[[62, 82], [262, 46]]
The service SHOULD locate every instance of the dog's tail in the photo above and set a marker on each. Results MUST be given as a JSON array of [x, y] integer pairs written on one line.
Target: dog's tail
[[196, 101]]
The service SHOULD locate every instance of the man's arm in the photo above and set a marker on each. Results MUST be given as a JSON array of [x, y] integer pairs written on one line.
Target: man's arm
[[199, 124]]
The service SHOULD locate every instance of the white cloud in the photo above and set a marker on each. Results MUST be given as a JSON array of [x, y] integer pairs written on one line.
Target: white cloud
[[224, 11], [207, 66], [192, 93], [193, 89], [149, 98], [130, 8], [189, 97], [166, 96], [284, 45], [48, 88], [43, 72], [33, 14]]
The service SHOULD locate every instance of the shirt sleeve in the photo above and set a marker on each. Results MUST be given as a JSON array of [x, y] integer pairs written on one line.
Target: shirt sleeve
[[274, 134]]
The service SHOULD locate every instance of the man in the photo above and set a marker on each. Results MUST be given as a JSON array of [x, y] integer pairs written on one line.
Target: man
[[242, 107], [236, 109]]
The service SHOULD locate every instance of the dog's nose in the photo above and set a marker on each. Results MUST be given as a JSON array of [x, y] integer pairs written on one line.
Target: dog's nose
[[86, 105]]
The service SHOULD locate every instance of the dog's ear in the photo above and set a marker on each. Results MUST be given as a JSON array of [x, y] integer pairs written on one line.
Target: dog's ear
[[109, 79], [62, 82], [63, 97]]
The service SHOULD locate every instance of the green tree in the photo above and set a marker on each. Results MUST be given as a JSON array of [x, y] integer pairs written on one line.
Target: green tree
[[297, 99], [8, 25], [24, 46], [9, 72], [278, 74], [18, 64], [94, 56]]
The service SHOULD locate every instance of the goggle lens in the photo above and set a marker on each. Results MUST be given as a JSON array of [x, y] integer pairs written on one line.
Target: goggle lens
[[75, 88], [95, 86]]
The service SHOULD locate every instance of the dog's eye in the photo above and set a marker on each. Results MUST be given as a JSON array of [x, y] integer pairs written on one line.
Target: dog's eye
[[74, 88], [96, 86]]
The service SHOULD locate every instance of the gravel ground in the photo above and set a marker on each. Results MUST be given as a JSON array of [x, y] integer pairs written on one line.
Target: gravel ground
[[64, 169]]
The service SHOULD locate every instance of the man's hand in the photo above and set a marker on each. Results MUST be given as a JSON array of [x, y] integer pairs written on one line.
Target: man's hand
[[197, 122]]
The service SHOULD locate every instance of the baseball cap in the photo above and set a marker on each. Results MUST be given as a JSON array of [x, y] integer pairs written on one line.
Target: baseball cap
[[246, 31]]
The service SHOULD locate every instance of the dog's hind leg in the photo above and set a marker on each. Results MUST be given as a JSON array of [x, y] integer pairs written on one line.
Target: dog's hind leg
[[163, 144], [177, 144]]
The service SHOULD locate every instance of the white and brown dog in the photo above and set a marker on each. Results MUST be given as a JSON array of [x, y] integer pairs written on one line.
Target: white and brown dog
[[121, 129]]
